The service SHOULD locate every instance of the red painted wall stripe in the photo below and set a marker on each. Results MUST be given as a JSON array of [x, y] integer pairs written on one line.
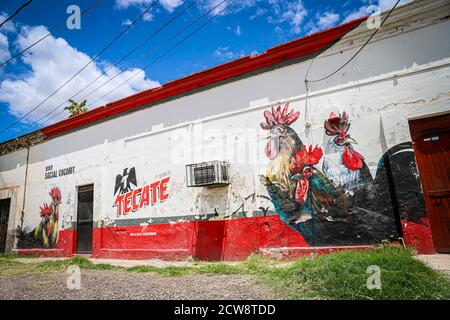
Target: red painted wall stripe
[[238, 238]]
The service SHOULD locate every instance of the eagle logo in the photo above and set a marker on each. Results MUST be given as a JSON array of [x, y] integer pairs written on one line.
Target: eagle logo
[[125, 181]]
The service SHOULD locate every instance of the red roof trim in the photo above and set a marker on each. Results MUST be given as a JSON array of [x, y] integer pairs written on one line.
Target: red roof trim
[[290, 50]]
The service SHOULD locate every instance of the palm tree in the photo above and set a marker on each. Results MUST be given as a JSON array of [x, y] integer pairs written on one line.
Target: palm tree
[[76, 108]]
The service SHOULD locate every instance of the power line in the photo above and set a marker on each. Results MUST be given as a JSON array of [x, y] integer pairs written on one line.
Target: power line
[[176, 34], [85, 66], [15, 13], [119, 61], [143, 56], [169, 50], [59, 27], [356, 53]]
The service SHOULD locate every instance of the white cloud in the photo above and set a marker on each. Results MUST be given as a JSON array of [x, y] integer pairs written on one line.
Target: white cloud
[[123, 4], [9, 26], [278, 30], [236, 7], [4, 48], [362, 11], [292, 12], [169, 5], [322, 21], [388, 4], [224, 53], [259, 12], [238, 30], [127, 22], [327, 20], [148, 16], [51, 64]]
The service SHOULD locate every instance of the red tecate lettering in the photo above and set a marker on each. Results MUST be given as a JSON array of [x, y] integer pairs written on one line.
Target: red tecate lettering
[[127, 203], [163, 195], [134, 204], [118, 204], [154, 187], [145, 197]]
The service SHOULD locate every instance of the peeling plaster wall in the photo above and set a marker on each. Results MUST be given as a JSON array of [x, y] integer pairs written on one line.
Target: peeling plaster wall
[[403, 74]]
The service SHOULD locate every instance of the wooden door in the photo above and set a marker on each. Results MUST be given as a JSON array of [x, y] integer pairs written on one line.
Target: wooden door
[[431, 138]]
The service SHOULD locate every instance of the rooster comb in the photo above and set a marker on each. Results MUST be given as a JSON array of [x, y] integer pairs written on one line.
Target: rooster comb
[[306, 157], [46, 210], [55, 193], [279, 117], [336, 124]]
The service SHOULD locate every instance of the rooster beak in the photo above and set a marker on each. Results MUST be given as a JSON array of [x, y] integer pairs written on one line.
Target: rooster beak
[[350, 141]]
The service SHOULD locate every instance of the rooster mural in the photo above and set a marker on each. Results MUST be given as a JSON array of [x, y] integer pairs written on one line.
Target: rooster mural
[[305, 199], [47, 232], [342, 164], [281, 147]]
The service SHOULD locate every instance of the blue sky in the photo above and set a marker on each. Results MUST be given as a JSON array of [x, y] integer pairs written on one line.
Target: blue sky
[[248, 27]]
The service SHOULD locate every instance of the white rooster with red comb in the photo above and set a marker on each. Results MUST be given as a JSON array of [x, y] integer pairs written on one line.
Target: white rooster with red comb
[[342, 164]]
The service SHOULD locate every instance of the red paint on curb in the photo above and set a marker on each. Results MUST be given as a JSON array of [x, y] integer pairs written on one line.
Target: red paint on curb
[[292, 253], [418, 236]]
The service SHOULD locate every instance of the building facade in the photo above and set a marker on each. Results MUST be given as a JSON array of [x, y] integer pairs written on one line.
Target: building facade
[[249, 157]]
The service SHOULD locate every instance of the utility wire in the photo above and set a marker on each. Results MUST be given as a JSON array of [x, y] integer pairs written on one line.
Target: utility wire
[[176, 34], [170, 49], [59, 27], [143, 56], [173, 36], [118, 62], [356, 53], [85, 66], [15, 13]]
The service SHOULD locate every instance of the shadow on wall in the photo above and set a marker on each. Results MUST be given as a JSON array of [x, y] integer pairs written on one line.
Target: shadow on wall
[[399, 170]]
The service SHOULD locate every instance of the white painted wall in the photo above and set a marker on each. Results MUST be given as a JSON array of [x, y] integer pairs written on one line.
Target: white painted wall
[[403, 74]]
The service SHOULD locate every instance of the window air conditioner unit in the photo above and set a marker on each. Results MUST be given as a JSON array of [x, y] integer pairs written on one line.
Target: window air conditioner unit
[[207, 174]]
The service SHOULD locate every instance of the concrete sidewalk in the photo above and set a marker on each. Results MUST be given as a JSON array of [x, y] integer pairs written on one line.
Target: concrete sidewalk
[[440, 262], [118, 263]]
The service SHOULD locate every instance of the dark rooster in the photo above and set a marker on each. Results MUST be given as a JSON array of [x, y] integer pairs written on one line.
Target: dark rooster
[[342, 164]]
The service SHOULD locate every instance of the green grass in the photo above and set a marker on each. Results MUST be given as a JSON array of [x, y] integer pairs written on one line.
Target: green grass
[[341, 275]]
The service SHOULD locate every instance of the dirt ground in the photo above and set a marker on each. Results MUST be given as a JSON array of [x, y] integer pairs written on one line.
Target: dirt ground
[[112, 284]]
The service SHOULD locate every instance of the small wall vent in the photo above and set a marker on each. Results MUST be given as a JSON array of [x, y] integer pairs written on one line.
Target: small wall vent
[[207, 174]]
